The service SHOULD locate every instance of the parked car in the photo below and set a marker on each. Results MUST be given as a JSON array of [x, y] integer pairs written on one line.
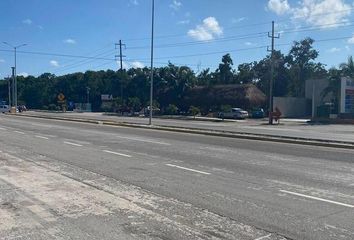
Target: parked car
[[4, 108], [257, 113], [22, 108], [235, 113]]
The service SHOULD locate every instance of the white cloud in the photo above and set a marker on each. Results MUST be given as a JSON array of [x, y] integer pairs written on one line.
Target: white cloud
[[183, 22], [323, 12], [320, 13], [351, 40], [23, 74], [175, 5], [2, 60], [347, 48], [334, 50], [137, 64], [125, 65], [54, 63], [27, 21], [238, 20], [248, 43], [206, 31], [280, 7], [134, 2], [70, 41]]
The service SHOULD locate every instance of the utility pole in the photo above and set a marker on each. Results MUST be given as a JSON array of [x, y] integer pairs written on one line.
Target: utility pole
[[120, 44], [152, 61], [15, 73], [9, 90], [13, 87], [313, 99], [271, 80]]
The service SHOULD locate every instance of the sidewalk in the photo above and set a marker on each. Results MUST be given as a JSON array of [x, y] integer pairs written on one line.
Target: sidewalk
[[297, 129]]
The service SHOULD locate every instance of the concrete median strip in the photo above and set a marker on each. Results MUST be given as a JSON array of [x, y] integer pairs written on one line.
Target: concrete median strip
[[217, 133]]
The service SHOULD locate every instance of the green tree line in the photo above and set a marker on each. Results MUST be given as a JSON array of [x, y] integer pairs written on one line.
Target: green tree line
[[171, 82]]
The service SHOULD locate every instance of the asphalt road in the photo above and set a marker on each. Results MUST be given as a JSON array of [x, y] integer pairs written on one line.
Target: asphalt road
[[287, 128], [195, 187]]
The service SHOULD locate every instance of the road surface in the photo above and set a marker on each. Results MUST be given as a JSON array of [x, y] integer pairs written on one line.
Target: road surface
[[287, 128], [64, 180]]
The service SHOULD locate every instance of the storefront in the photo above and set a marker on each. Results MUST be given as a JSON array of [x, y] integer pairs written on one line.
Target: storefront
[[347, 96]]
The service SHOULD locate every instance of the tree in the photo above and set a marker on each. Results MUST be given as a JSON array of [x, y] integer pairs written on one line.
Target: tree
[[300, 60], [134, 104], [348, 68], [334, 87], [245, 73], [171, 109], [225, 73], [194, 111]]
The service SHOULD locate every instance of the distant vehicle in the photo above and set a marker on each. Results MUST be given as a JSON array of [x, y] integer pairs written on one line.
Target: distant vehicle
[[257, 113], [235, 113], [146, 111], [4, 108], [22, 108]]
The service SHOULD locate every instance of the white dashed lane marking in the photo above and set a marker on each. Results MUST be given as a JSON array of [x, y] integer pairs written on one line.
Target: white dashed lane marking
[[117, 153], [73, 144], [42, 137], [144, 140], [19, 132], [188, 169], [317, 198], [264, 237]]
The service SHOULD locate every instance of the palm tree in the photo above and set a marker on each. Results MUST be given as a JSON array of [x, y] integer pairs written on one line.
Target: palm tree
[[348, 68]]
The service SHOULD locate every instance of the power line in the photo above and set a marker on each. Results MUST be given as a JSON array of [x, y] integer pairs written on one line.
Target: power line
[[76, 63], [57, 55], [247, 36], [190, 43], [319, 27], [184, 35], [245, 25], [83, 62]]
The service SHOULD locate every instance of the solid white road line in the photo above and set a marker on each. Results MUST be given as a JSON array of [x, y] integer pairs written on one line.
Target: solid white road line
[[73, 144], [317, 198], [19, 132], [264, 237], [143, 140], [188, 169], [116, 153], [42, 137]]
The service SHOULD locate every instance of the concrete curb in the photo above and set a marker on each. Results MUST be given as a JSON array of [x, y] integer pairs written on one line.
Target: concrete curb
[[217, 133]]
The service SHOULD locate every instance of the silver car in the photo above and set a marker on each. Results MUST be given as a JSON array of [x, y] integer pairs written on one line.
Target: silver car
[[236, 113], [4, 108]]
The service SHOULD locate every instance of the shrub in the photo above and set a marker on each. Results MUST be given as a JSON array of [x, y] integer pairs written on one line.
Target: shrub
[[194, 111], [171, 109]]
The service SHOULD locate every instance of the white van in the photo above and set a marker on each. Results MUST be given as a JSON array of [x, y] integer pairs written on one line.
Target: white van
[[4, 108]]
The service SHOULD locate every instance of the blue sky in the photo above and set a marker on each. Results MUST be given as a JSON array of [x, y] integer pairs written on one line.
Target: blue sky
[[195, 33]]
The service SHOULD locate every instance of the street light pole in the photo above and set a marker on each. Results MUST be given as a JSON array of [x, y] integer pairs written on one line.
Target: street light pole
[[15, 72], [152, 62], [9, 90]]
